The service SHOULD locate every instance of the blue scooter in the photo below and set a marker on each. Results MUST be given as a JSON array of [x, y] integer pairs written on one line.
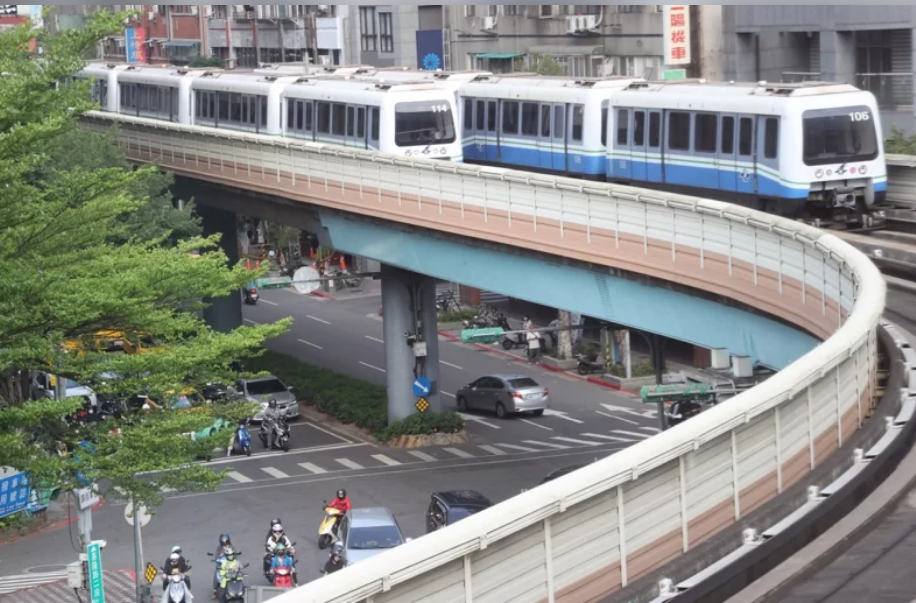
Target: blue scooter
[[241, 441]]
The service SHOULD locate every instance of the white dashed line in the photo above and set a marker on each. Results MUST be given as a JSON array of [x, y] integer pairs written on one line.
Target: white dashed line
[[546, 445], [604, 414], [538, 425], [459, 453], [269, 303], [598, 436], [652, 429], [492, 450], [375, 339], [448, 395], [374, 368], [350, 464], [312, 468], [562, 415], [324, 322], [422, 456], [454, 366], [274, 472], [251, 322], [580, 442], [386, 460], [519, 448], [238, 477], [312, 345], [641, 436]]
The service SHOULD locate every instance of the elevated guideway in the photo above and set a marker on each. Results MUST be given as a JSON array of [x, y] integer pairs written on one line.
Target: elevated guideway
[[660, 500]]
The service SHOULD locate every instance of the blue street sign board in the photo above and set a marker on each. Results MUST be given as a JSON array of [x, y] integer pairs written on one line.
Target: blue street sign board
[[96, 581], [422, 387], [15, 494]]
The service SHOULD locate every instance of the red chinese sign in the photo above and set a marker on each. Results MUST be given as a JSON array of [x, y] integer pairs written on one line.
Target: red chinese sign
[[677, 34]]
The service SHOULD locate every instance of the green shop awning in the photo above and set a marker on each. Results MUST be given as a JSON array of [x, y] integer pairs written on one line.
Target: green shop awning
[[500, 55], [567, 51]]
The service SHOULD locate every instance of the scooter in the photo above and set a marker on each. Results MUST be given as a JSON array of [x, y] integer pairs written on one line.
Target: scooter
[[241, 442], [327, 531], [283, 578], [251, 295], [269, 557], [588, 363], [280, 432], [511, 342], [682, 411], [178, 591], [235, 589]]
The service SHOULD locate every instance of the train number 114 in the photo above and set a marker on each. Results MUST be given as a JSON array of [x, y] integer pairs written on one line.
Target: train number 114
[[860, 116]]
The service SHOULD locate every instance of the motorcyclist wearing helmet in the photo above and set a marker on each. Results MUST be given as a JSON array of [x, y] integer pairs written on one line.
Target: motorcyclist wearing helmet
[[335, 562], [221, 554], [276, 539], [341, 503], [270, 417], [273, 522], [230, 564], [282, 559], [176, 564]]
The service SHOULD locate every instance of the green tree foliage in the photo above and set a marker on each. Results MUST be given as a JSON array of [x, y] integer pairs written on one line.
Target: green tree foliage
[[541, 65], [202, 62], [900, 144], [75, 260]]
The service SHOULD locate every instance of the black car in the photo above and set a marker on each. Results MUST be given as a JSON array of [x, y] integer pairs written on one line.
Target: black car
[[447, 508], [561, 472]]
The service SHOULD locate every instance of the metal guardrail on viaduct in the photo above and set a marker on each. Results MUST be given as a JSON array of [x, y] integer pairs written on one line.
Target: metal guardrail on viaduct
[[596, 531]]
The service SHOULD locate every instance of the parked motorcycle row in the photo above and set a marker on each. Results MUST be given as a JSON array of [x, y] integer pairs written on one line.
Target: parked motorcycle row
[[490, 318]]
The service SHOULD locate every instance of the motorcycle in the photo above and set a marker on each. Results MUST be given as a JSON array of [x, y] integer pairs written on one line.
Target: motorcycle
[[178, 591], [283, 578], [343, 279], [280, 431], [588, 363], [251, 295], [234, 589], [682, 411], [485, 319], [269, 557], [241, 442], [327, 531], [510, 342]]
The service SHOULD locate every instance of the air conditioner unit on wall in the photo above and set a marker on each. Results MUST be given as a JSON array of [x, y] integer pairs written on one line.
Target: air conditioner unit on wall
[[489, 23], [581, 23]]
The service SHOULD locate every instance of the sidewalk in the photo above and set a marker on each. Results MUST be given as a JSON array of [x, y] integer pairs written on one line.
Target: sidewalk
[[369, 288]]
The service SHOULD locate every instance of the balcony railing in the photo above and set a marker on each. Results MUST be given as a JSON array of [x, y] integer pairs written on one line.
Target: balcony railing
[[795, 77], [890, 89]]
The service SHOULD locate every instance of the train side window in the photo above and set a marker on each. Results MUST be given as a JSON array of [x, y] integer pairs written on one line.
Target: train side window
[[655, 129], [351, 121], [707, 126], [309, 120], [324, 118], [529, 119], [545, 121], [639, 128], [604, 112], [559, 121], [374, 133], [771, 138], [728, 135], [623, 127], [263, 101], [679, 131], [291, 106], [224, 106], [361, 123], [338, 119], [746, 137], [468, 114], [235, 108], [510, 117], [578, 122], [481, 115]]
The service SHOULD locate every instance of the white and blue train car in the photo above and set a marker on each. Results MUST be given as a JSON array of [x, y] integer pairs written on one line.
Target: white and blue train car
[[548, 124], [810, 149], [415, 119]]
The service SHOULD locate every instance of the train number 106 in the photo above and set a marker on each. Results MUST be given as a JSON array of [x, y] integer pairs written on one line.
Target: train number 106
[[860, 116]]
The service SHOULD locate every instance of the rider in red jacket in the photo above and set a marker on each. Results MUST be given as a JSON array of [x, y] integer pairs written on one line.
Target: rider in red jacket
[[341, 503]]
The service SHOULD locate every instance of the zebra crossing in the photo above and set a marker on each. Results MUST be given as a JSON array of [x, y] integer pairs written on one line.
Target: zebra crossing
[[11, 584], [392, 459]]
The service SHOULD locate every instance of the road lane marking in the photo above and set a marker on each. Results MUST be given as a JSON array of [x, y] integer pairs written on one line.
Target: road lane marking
[[269, 303], [274, 472], [536, 424], [375, 339], [448, 395], [349, 464], [598, 436], [646, 414], [265, 455], [454, 366], [386, 460], [478, 420], [312, 468], [652, 429], [562, 415], [374, 368], [251, 322], [616, 418], [459, 453], [493, 450], [546, 444], [331, 433], [310, 317], [317, 347], [641, 436], [519, 448], [422, 456], [238, 477], [574, 441]]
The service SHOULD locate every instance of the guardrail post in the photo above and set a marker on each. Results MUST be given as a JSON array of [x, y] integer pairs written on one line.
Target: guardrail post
[[468, 583], [839, 409], [622, 537], [548, 561], [780, 265], [810, 427], [685, 522], [756, 262], [736, 476], [778, 450], [731, 263], [824, 286]]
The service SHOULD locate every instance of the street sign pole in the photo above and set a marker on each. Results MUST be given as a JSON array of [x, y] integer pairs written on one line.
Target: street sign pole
[[96, 577]]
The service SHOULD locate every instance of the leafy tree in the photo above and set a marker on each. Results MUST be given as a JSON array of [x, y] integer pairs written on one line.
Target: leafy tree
[[202, 62], [541, 64], [73, 262], [900, 144]]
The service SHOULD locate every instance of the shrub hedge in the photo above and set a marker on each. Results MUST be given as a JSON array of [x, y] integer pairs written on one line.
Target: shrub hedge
[[349, 400]]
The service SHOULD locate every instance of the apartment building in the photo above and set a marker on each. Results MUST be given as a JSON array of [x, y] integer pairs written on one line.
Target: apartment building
[[871, 47]]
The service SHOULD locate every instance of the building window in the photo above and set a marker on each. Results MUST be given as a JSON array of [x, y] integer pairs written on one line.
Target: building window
[[629, 8], [367, 27], [707, 125], [181, 9], [271, 55], [470, 10], [513, 10], [220, 11], [386, 32], [546, 10], [584, 9], [492, 10], [679, 135]]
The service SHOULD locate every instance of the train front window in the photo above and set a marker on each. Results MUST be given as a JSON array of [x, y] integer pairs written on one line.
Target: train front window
[[423, 123], [839, 136]]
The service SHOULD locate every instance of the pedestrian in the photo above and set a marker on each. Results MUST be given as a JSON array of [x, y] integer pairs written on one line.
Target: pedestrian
[[534, 346]]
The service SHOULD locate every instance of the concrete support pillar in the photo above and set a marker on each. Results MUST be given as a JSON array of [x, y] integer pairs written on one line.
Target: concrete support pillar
[[838, 56], [224, 314], [399, 359], [429, 331]]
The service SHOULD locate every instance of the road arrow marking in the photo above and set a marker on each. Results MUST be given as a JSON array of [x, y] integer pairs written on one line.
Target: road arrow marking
[[562, 415], [645, 414], [479, 420]]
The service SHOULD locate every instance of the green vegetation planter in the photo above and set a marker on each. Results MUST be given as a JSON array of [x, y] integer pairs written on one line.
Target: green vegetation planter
[[410, 442]]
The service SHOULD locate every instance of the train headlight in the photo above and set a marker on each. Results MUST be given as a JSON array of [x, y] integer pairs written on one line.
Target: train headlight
[[863, 170], [819, 174]]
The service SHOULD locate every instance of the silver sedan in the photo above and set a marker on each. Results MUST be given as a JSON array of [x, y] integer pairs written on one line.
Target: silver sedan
[[506, 395]]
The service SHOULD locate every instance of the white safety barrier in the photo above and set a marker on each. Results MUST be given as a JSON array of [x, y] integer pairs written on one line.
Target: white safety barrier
[[600, 529], [901, 182]]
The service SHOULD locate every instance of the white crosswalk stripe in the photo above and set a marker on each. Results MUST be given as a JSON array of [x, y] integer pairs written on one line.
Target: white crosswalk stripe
[[422, 456], [652, 429], [312, 468], [546, 444], [598, 436], [641, 436], [493, 450], [574, 441], [350, 464], [519, 448], [386, 460], [11, 584], [238, 477], [274, 472], [459, 453]]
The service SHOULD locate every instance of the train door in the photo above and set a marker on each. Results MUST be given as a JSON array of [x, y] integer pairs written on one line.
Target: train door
[[622, 167], [558, 137], [746, 166], [350, 138], [492, 147], [575, 138], [655, 160], [374, 124], [638, 148], [768, 182], [545, 136], [728, 155], [476, 150]]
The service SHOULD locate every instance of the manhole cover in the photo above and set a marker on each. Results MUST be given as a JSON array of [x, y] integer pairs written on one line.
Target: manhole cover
[[46, 569]]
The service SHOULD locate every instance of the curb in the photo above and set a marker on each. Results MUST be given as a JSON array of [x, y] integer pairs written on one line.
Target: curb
[[347, 431], [550, 369], [321, 295]]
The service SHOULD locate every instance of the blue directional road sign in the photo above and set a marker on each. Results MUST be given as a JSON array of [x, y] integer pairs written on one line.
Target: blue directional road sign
[[14, 494], [96, 580], [422, 387]]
